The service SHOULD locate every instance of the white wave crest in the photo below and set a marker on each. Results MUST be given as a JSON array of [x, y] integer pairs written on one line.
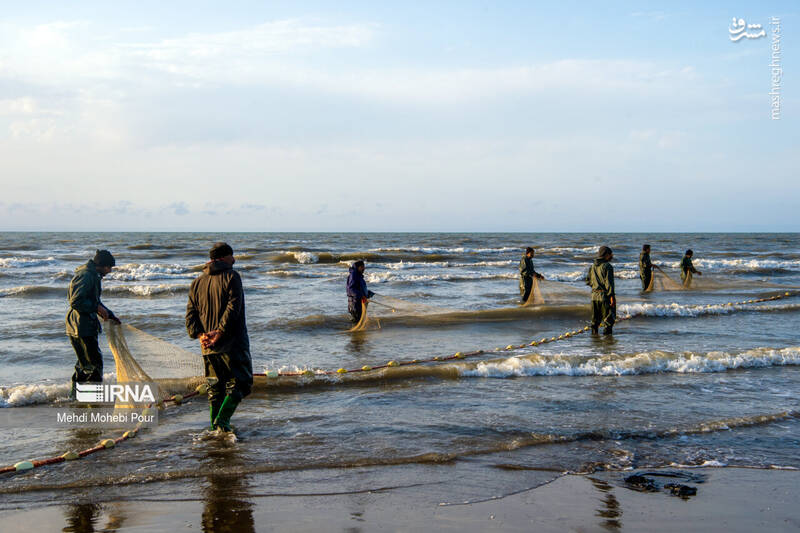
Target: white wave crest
[[149, 271], [145, 290], [633, 364], [382, 277], [38, 393], [678, 310], [23, 262], [446, 250]]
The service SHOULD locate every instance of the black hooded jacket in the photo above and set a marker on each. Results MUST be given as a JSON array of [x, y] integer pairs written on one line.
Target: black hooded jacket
[[216, 302]]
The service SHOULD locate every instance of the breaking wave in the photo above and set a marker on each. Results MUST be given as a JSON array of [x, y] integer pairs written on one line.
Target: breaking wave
[[679, 310], [150, 271], [633, 364], [23, 262]]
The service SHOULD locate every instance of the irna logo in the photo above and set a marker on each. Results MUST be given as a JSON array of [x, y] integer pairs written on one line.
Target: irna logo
[[115, 392]]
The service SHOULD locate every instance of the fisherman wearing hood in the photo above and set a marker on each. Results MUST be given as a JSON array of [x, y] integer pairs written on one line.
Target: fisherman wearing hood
[[604, 302], [526, 274], [215, 315], [83, 327], [357, 292], [645, 267]]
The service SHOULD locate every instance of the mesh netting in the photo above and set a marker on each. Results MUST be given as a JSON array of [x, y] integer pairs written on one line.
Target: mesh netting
[[660, 281], [535, 297], [559, 292], [140, 357], [381, 306]]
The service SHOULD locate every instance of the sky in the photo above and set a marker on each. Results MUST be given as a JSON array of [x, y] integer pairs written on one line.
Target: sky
[[392, 116]]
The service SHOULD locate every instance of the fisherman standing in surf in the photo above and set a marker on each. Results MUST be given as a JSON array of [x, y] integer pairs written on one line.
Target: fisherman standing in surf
[[83, 327], [687, 267], [604, 301], [357, 292], [526, 274], [215, 315], [645, 267]]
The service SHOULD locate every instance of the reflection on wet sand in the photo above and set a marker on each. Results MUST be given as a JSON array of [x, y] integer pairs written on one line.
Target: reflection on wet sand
[[227, 507], [610, 511], [84, 518]]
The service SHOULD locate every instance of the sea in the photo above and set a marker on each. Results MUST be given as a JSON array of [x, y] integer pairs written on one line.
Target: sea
[[686, 381]]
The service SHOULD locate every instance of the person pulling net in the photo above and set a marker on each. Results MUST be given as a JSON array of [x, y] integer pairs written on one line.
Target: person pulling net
[[688, 270], [528, 288], [358, 296]]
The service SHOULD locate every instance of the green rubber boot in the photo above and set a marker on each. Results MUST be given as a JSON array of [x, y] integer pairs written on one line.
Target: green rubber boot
[[214, 408], [223, 419]]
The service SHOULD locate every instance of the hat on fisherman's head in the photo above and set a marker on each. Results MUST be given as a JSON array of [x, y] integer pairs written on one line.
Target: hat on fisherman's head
[[603, 251], [103, 258], [220, 250]]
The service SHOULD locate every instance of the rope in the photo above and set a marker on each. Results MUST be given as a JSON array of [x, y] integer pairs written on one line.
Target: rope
[[202, 389]]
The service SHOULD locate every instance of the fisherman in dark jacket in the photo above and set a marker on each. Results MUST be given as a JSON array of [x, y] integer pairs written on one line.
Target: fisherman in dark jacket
[[357, 292], [604, 301], [526, 274], [687, 266], [82, 323], [645, 267], [215, 315]]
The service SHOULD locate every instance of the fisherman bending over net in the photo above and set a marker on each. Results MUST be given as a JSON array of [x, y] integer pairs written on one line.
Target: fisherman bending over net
[[526, 274], [215, 315], [687, 269], [83, 327]]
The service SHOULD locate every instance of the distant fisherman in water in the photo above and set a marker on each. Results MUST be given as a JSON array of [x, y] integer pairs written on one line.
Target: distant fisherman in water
[[645, 267], [215, 315], [357, 292], [526, 274], [83, 327], [604, 302], [687, 266]]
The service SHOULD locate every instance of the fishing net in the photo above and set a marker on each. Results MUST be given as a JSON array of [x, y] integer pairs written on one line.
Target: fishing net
[[661, 281], [140, 357], [381, 306], [560, 292], [535, 296]]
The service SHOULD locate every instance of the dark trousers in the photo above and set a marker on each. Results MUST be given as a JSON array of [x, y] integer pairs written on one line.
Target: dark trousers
[[229, 373], [603, 313], [354, 308], [646, 278], [525, 289], [90, 361]]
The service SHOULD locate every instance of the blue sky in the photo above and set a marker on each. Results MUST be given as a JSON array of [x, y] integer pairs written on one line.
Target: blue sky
[[377, 116]]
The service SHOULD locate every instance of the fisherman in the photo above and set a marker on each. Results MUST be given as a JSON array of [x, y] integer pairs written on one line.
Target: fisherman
[[215, 314], [604, 302], [83, 327], [645, 267], [357, 292], [687, 266], [526, 274]]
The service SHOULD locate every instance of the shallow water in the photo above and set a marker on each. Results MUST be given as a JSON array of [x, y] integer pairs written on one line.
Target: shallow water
[[687, 381]]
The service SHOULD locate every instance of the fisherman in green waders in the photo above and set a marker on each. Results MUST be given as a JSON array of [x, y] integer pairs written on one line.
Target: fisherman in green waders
[[687, 266], [83, 327], [215, 315], [604, 301], [526, 274], [645, 267]]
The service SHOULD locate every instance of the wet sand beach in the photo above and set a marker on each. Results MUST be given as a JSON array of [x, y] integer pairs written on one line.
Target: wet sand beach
[[728, 500]]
